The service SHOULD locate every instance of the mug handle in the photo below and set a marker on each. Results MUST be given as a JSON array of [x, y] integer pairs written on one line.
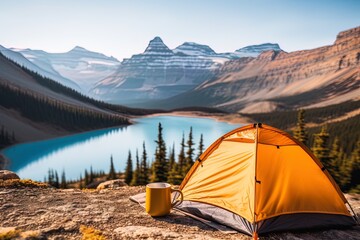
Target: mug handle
[[177, 202]]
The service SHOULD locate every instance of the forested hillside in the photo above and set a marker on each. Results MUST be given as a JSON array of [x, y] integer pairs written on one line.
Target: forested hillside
[[332, 133], [33, 107], [57, 87], [50, 111], [346, 129]]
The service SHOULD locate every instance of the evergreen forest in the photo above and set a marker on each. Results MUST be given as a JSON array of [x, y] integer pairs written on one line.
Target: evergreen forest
[[43, 109], [169, 166]]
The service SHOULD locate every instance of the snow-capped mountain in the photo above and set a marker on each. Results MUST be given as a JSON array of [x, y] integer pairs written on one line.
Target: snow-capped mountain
[[194, 49], [256, 50], [160, 72], [47, 71], [278, 80], [156, 74], [80, 65]]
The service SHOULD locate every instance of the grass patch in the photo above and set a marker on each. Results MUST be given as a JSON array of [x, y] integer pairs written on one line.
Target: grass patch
[[90, 233], [22, 183], [10, 235]]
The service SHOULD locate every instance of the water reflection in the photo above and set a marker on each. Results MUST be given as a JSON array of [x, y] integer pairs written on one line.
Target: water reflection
[[75, 153], [24, 154]]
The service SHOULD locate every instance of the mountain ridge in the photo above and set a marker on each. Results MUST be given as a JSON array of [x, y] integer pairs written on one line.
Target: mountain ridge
[[160, 73], [78, 64], [46, 72], [328, 75]]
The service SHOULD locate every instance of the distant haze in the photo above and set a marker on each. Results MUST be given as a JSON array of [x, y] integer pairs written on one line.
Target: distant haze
[[122, 28]]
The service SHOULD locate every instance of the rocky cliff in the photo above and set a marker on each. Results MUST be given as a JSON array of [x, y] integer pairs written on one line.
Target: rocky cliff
[[281, 80], [155, 74], [160, 73]]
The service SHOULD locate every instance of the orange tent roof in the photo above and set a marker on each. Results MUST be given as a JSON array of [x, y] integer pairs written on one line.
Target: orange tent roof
[[259, 172]]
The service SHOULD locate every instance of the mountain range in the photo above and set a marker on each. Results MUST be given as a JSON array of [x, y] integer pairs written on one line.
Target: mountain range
[[161, 73], [44, 70], [33, 107], [257, 78], [79, 65], [277, 80], [157, 73]]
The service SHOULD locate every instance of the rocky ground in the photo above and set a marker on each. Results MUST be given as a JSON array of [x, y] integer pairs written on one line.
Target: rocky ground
[[45, 213]]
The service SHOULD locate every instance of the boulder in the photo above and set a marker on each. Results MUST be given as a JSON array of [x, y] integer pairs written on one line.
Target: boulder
[[111, 184], [6, 175]]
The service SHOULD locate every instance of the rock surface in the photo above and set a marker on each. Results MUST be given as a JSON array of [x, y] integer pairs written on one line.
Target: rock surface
[[7, 175], [58, 214], [111, 184]]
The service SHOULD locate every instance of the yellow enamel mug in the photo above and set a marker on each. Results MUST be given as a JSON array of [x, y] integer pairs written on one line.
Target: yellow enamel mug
[[158, 199]]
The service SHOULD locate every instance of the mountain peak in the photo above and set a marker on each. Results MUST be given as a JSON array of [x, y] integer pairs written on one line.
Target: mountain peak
[[256, 50], [348, 35], [260, 47], [78, 48], [191, 48], [157, 39], [157, 47]]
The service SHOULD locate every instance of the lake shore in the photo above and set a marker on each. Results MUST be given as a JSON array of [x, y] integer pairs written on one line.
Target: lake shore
[[231, 118], [144, 128], [221, 117], [46, 132]]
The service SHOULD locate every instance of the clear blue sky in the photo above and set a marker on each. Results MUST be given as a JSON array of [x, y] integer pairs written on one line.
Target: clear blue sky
[[122, 28]]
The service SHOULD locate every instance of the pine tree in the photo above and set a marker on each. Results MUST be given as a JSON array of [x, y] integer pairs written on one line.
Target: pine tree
[[345, 170], [56, 183], [91, 177], [50, 177], [136, 175], [172, 157], [160, 166], [181, 158], [336, 157], [81, 182], [144, 170], [320, 148], [86, 178], [129, 170], [112, 173], [201, 146], [189, 153], [63, 183], [300, 132], [355, 163], [175, 174]]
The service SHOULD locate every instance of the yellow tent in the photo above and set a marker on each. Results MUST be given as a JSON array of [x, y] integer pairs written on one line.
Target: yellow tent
[[258, 179]]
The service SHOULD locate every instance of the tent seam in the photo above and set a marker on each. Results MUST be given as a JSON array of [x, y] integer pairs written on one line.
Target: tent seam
[[299, 212]]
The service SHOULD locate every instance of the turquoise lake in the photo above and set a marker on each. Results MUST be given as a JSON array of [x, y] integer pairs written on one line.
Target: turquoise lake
[[78, 152]]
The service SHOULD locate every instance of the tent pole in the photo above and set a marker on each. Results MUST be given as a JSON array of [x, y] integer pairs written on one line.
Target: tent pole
[[255, 235], [355, 216]]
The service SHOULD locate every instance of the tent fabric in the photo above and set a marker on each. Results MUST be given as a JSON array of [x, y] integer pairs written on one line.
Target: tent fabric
[[259, 173], [216, 214], [303, 221], [232, 165]]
